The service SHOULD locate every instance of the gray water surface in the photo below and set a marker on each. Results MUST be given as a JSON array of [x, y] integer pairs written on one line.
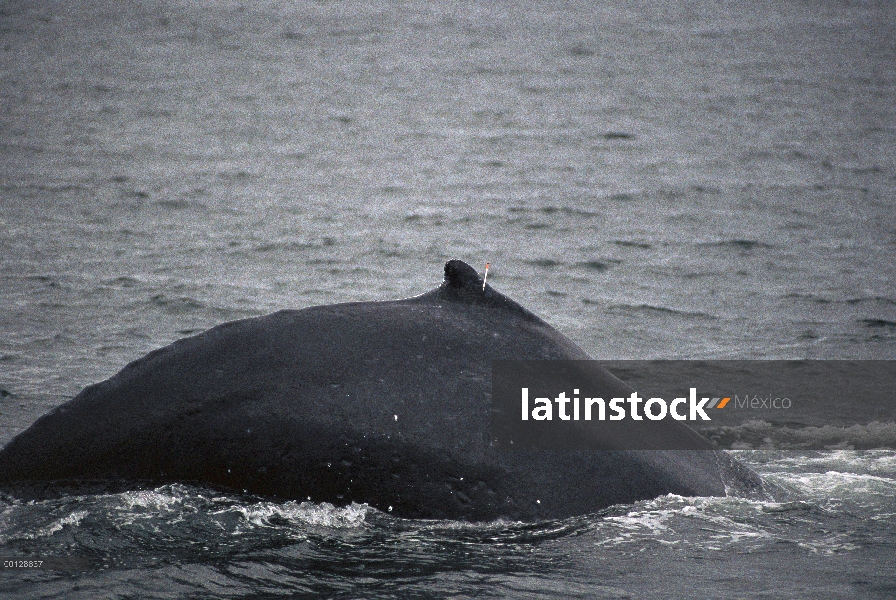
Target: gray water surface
[[656, 180]]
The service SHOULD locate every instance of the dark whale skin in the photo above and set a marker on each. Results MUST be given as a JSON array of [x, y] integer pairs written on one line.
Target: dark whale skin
[[385, 403]]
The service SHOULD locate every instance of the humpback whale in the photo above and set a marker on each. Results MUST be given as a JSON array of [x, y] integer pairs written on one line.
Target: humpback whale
[[384, 403]]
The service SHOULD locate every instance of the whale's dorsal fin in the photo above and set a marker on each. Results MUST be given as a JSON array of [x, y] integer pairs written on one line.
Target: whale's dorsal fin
[[464, 285], [462, 277]]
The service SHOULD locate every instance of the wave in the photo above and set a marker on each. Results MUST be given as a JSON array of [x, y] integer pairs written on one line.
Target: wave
[[176, 306], [633, 244], [848, 301], [179, 204], [663, 310], [292, 246], [187, 305], [208, 541], [593, 265], [599, 265], [718, 525], [862, 462], [878, 299], [555, 210], [737, 244], [545, 263], [760, 434], [878, 323], [123, 281], [177, 514]]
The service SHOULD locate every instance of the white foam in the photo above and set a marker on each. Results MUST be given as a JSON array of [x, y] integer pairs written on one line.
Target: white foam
[[759, 434], [72, 520], [307, 513]]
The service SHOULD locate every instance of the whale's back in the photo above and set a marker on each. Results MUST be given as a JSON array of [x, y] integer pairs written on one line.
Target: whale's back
[[380, 402]]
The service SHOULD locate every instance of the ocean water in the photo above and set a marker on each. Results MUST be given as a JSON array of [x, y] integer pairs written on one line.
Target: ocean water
[[656, 180]]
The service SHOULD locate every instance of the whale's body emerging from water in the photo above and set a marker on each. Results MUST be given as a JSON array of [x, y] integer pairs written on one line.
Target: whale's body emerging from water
[[386, 403]]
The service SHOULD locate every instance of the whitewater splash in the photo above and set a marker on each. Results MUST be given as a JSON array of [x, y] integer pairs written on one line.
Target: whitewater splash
[[758, 434]]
